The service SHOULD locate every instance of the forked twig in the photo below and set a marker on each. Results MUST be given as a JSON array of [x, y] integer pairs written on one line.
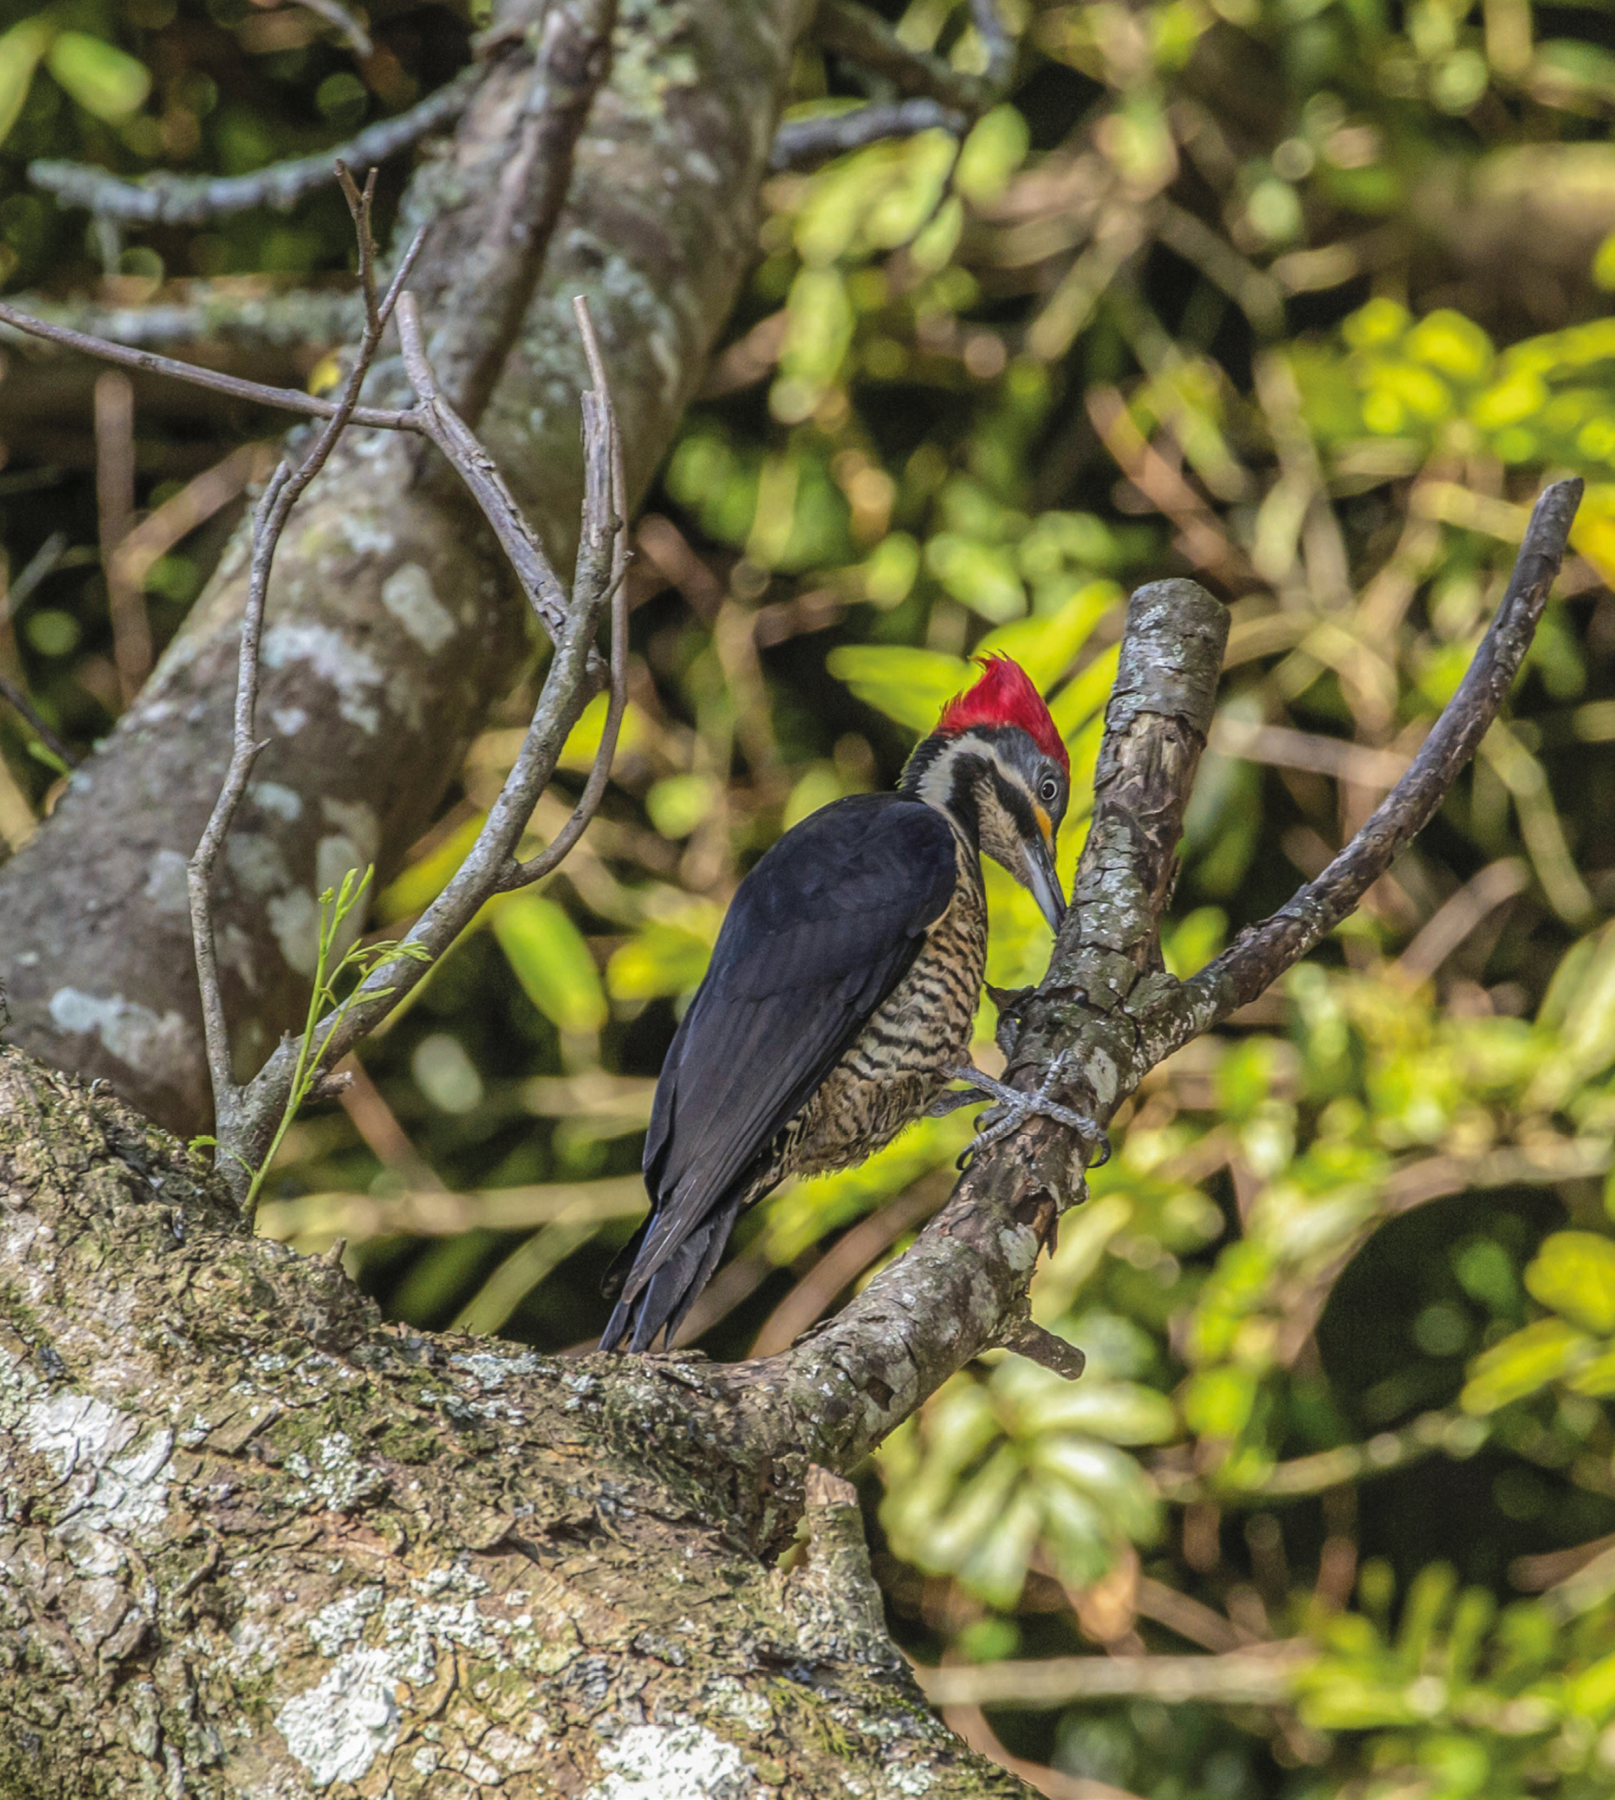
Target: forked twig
[[549, 858], [443, 426], [285, 488], [257, 393], [490, 865]]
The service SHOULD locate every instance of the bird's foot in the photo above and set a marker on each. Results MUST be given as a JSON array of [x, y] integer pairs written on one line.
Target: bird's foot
[[1014, 1107]]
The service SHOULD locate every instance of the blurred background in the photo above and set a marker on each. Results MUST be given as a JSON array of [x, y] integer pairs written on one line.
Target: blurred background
[[1305, 297]]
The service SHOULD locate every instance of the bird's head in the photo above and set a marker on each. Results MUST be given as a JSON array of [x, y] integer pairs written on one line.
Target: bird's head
[[996, 764]]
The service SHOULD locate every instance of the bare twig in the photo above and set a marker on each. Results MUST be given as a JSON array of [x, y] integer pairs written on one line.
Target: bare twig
[[115, 514], [806, 143], [285, 488], [988, 20], [164, 199], [334, 13], [38, 567], [1263, 953], [18, 701], [443, 426], [600, 773], [864, 37], [257, 393], [1238, 1678], [565, 690]]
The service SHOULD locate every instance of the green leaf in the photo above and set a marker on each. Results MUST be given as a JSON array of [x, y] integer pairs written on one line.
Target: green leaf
[[20, 51], [665, 959], [1524, 1361], [1574, 1274], [1046, 647], [910, 686], [549, 958], [103, 79]]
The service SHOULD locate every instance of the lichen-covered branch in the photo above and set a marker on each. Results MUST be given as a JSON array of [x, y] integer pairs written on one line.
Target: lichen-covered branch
[[254, 1541], [391, 624], [164, 199]]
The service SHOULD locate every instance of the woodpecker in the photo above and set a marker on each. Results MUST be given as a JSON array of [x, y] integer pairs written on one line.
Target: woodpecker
[[842, 992]]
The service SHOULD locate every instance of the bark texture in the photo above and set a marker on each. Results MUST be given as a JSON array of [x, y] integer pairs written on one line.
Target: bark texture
[[390, 626], [255, 1542]]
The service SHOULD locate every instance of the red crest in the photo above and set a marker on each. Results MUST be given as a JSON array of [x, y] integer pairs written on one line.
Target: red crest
[[1005, 695]]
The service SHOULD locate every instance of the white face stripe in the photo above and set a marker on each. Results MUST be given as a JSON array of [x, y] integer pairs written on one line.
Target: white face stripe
[[1000, 834]]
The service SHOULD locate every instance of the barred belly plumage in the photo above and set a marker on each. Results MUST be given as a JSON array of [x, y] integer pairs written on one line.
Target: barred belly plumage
[[901, 1060]]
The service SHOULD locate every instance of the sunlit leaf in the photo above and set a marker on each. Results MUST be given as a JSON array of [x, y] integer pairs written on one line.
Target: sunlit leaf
[[100, 77], [549, 958]]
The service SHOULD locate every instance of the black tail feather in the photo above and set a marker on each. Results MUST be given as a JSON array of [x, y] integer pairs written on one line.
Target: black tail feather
[[664, 1300]]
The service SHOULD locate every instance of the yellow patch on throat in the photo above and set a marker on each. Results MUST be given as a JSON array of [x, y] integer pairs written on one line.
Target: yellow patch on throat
[[1043, 824]]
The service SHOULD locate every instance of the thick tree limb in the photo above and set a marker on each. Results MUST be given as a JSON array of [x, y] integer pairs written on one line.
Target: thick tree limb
[[254, 1541], [390, 625], [961, 1288], [197, 199]]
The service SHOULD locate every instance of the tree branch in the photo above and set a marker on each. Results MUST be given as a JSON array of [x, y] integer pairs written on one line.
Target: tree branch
[[442, 425], [1237, 1678], [286, 487], [489, 867], [863, 37], [164, 199], [257, 393], [1106, 1002], [549, 858], [1262, 954], [802, 144]]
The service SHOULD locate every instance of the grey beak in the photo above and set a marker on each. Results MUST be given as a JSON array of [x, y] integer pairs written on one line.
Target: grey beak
[[1045, 882]]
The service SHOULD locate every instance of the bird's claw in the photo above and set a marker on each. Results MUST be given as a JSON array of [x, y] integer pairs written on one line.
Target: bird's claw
[[1014, 1107]]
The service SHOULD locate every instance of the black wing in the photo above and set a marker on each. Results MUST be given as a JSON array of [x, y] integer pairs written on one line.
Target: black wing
[[819, 933]]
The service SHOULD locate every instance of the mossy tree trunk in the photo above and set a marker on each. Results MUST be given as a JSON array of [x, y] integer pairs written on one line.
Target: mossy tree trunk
[[253, 1541]]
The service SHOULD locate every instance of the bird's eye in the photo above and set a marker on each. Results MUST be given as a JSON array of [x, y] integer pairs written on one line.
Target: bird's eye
[[1049, 791]]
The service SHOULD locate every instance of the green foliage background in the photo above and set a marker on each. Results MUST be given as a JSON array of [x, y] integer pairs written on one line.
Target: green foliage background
[[1306, 297]]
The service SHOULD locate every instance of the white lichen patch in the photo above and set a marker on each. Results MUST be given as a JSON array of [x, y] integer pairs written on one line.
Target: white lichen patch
[[357, 822], [728, 1696], [256, 862], [133, 1033], [339, 1623], [165, 882], [338, 1728], [294, 919], [117, 1484], [288, 720], [657, 1762], [492, 1370], [365, 535], [409, 596], [276, 798], [351, 670], [339, 1478]]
